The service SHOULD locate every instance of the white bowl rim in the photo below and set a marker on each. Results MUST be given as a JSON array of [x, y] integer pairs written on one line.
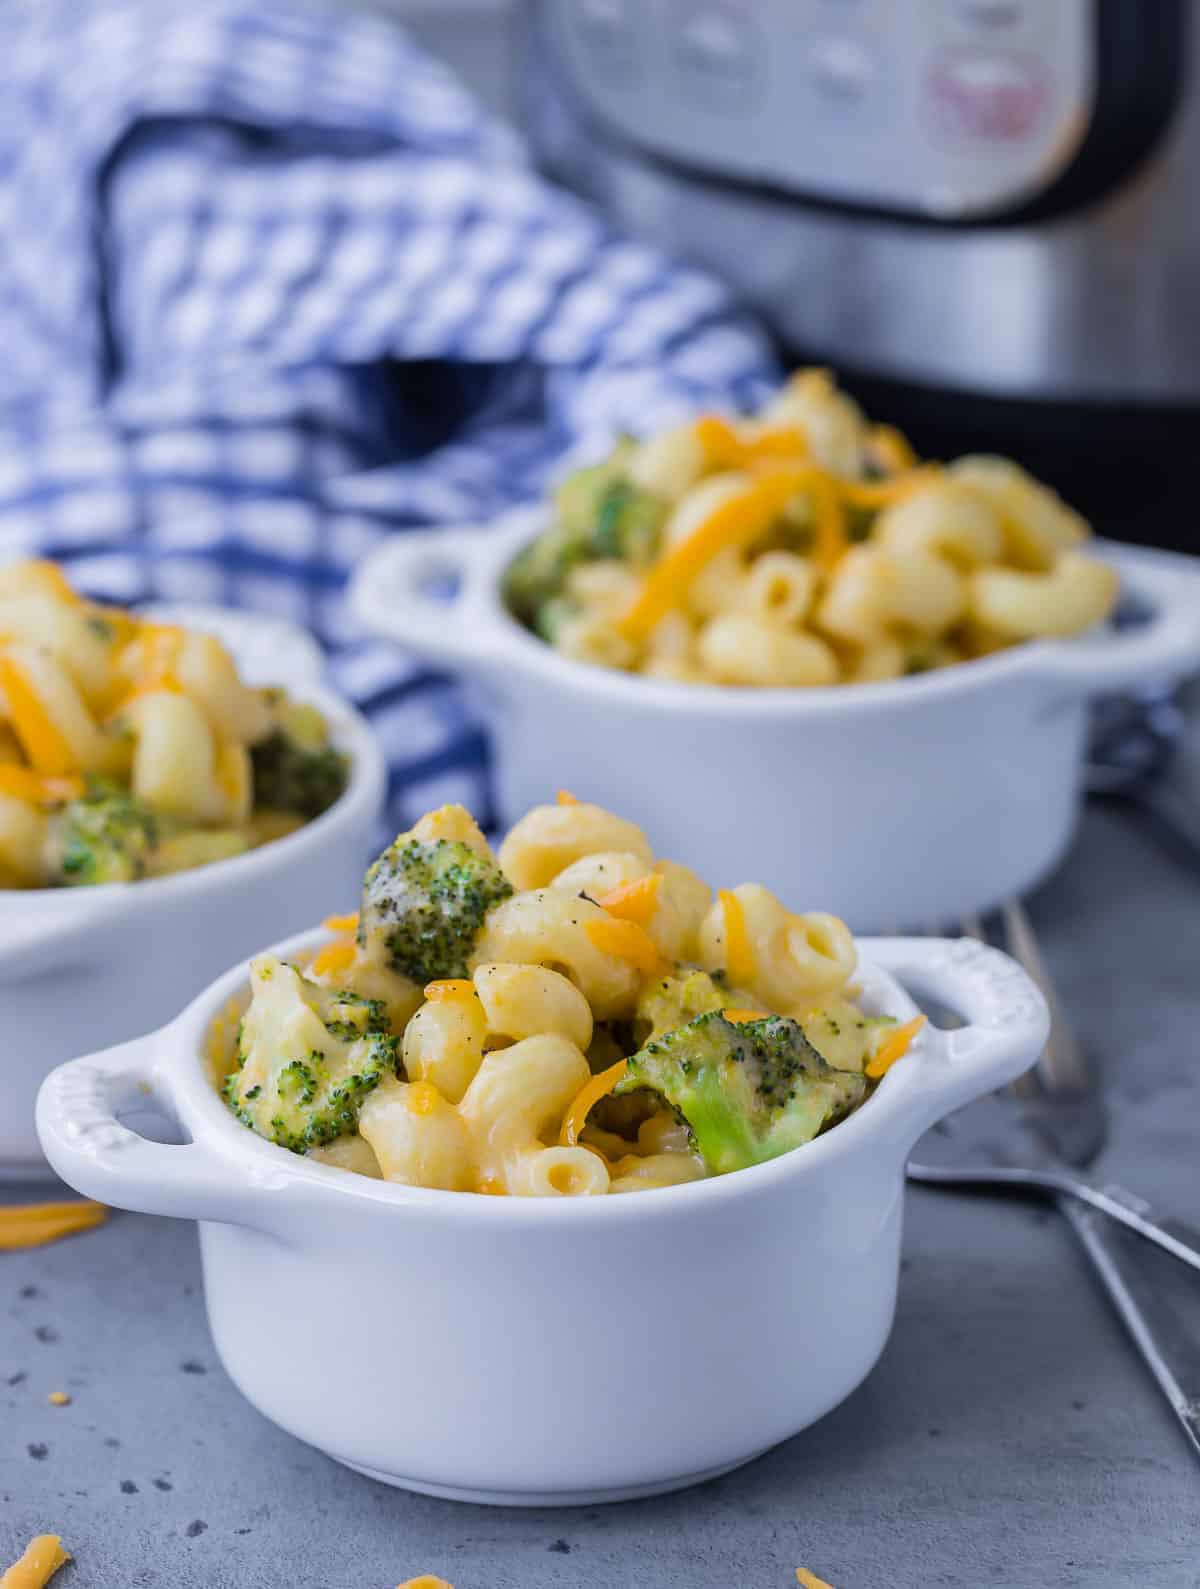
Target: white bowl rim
[[180, 1053], [350, 732], [494, 547]]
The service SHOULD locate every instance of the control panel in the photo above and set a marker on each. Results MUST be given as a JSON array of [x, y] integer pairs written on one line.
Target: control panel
[[948, 109]]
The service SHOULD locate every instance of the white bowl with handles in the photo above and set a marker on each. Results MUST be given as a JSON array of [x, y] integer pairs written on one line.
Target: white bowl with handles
[[81, 967], [546, 1351], [917, 800]]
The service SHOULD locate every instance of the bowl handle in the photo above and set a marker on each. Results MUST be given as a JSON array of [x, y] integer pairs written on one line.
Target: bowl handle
[[427, 590], [1163, 649], [1006, 1016], [91, 1150]]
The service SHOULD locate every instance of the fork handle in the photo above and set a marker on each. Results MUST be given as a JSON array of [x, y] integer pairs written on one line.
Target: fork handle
[[1153, 1298], [1175, 1236]]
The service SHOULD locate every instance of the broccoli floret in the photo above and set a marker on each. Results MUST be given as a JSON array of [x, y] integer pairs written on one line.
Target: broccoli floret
[[425, 901], [289, 776], [670, 1002], [599, 515], [105, 836], [747, 1091], [307, 1058]]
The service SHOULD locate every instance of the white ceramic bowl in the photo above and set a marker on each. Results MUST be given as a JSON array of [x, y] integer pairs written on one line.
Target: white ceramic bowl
[[889, 804], [538, 1351], [81, 967]]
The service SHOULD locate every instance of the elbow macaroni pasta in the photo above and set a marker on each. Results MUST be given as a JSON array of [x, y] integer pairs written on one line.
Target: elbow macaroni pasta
[[802, 548], [500, 1081], [128, 748]]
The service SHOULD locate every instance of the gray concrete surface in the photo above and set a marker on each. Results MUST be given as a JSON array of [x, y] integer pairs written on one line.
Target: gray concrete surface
[[1009, 1437]]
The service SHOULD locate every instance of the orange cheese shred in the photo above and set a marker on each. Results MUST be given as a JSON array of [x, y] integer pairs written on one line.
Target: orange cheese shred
[[719, 441], [896, 1045], [566, 798], [425, 1581], [737, 522], [59, 1398], [809, 1580], [41, 739], [636, 901], [739, 952], [451, 988], [22, 783], [740, 1017], [724, 449], [627, 941], [586, 1099], [881, 493], [341, 923], [42, 1559], [333, 958], [830, 537], [38, 1224]]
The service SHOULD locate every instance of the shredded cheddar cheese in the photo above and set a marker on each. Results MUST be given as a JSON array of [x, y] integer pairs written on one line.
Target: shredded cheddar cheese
[[38, 1224], [873, 494], [737, 522], [627, 941], [719, 441], [740, 1017], [830, 537], [425, 1581], [809, 1580], [41, 739], [566, 798], [895, 1047], [59, 1398], [42, 1559], [22, 783], [636, 901], [448, 990], [341, 923], [739, 952], [725, 449], [333, 958], [586, 1099]]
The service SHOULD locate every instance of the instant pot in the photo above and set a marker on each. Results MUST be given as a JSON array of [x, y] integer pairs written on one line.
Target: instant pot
[[982, 213]]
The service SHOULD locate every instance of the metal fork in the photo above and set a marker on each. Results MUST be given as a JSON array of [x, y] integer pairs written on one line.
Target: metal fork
[[1034, 1138]]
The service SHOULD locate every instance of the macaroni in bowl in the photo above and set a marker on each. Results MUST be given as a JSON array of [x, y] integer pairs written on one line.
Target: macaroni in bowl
[[802, 547], [570, 1017], [132, 749]]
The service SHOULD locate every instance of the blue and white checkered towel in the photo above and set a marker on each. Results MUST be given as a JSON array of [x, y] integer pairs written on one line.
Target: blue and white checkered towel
[[271, 287]]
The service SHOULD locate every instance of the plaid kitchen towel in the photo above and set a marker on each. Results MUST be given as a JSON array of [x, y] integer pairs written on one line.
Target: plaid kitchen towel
[[272, 286]]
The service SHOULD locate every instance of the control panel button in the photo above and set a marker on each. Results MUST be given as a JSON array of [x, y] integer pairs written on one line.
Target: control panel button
[[987, 97], [717, 52], [841, 69]]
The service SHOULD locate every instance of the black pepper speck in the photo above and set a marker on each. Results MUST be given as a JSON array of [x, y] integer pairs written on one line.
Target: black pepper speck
[[128, 1487], [38, 1452], [196, 1528]]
